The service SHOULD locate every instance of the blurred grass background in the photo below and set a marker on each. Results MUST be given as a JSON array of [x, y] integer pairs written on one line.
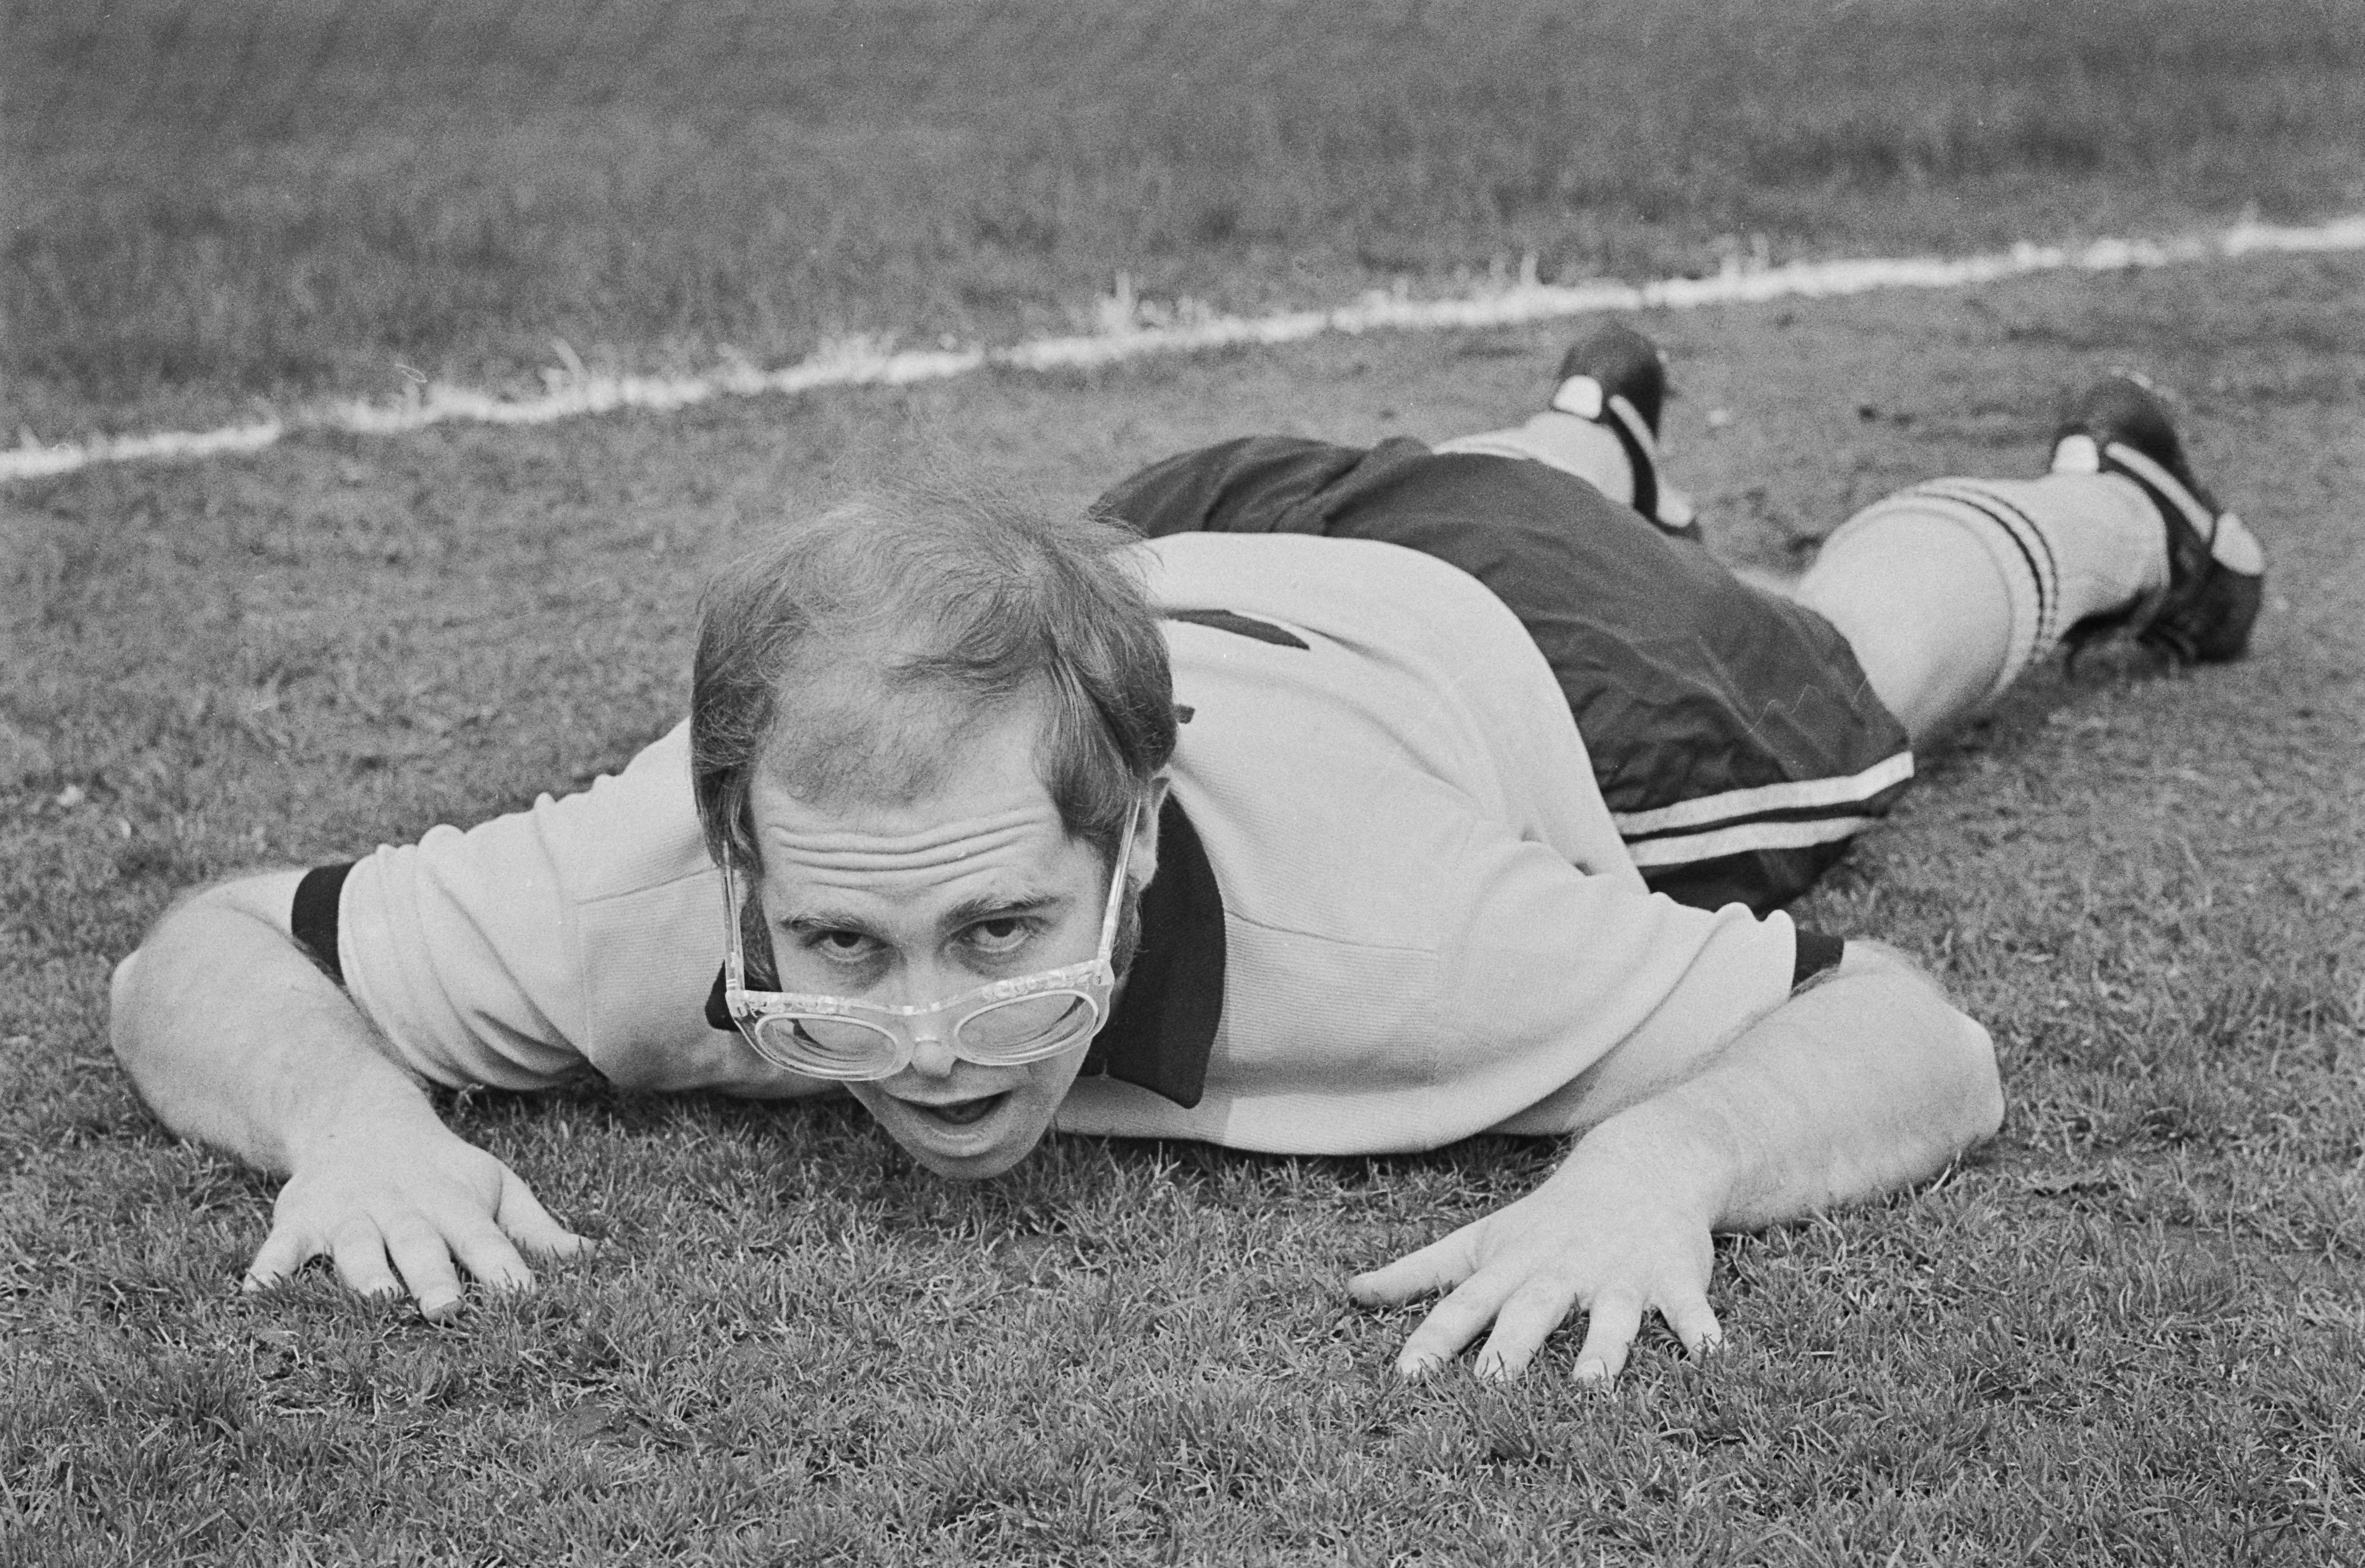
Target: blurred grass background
[[213, 200]]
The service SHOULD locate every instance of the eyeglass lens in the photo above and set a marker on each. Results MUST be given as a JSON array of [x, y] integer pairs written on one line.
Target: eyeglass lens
[[1002, 1030]]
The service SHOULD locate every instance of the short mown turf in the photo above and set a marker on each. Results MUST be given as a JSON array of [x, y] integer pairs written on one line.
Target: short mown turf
[[2127, 1330]]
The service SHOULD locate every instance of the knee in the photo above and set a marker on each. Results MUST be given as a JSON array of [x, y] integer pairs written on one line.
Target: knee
[[1905, 549]]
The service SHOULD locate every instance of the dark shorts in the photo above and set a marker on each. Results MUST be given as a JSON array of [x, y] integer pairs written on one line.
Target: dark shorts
[[1733, 736]]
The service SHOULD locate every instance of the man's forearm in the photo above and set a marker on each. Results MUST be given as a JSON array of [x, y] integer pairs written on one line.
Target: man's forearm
[[1852, 1088], [236, 1040]]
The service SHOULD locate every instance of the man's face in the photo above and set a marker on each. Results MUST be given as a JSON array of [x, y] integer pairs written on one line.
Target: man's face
[[909, 902]]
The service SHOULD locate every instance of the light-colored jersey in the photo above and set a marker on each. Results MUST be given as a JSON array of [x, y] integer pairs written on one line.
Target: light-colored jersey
[[1431, 927]]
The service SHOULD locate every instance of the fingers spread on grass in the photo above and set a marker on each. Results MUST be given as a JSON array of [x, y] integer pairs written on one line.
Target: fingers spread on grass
[[1453, 1323], [1617, 1317], [1522, 1325], [1694, 1322], [359, 1253], [526, 1223], [426, 1266], [486, 1253], [283, 1252], [1440, 1266]]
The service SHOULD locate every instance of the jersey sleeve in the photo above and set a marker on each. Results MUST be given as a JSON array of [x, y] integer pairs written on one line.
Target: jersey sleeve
[[583, 931], [1612, 984], [1555, 980]]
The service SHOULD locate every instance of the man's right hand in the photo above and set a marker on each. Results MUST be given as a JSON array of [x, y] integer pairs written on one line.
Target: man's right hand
[[237, 1038], [396, 1209]]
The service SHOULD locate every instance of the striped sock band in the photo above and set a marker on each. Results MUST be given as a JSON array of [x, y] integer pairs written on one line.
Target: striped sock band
[[2022, 549]]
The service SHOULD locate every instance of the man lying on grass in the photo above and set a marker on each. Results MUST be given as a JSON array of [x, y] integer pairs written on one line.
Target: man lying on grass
[[1379, 798]]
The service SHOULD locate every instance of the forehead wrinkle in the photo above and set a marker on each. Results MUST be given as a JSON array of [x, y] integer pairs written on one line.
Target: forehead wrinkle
[[928, 849]]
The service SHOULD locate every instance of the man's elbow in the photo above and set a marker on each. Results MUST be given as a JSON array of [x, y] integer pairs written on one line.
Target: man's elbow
[[1964, 1055], [1982, 1095], [1962, 1048], [192, 929], [133, 998]]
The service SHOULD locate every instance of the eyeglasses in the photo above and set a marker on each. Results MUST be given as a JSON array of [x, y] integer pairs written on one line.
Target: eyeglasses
[[1008, 1022]]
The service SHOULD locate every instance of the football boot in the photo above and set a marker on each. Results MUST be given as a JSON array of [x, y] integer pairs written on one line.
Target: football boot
[[2217, 573], [1617, 378]]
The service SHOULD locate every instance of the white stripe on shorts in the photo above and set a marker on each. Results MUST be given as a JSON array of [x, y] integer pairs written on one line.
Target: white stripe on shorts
[[1805, 795], [1684, 849]]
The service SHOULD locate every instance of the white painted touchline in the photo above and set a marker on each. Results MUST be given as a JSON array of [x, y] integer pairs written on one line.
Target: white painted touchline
[[1130, 329]]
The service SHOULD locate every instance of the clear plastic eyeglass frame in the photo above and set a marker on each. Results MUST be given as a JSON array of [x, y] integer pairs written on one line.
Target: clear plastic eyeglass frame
[[866, 1041]]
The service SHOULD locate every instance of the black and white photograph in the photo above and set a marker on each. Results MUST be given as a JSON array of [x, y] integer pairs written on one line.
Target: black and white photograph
[[1230, 781]]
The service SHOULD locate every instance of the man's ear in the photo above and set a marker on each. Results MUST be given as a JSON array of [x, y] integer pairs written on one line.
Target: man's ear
[[1144, 834]]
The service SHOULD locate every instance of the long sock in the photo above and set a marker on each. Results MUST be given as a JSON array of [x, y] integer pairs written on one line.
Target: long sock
[[1565, 442], [2068, 546]]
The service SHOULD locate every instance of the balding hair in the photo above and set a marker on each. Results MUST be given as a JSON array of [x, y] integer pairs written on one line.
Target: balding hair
[[849, 654]]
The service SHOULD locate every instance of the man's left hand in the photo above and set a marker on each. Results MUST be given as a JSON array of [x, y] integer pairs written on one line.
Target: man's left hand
[[1607, 1232]]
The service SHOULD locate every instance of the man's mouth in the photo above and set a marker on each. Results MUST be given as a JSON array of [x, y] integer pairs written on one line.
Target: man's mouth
[[960, 1113]]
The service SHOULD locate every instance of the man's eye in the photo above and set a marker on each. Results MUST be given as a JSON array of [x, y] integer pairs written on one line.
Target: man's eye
[[844, 946], [1000, 935]]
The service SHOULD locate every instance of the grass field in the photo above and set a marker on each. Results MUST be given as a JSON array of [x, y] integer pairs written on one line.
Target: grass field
[[216, 200], [2128, 1330]]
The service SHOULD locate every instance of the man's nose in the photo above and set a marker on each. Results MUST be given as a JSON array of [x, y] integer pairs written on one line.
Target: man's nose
[[933, 1058], [932, 1055]]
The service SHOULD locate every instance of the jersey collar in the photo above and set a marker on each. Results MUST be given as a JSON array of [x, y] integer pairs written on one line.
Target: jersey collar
[[1164, 1026]]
